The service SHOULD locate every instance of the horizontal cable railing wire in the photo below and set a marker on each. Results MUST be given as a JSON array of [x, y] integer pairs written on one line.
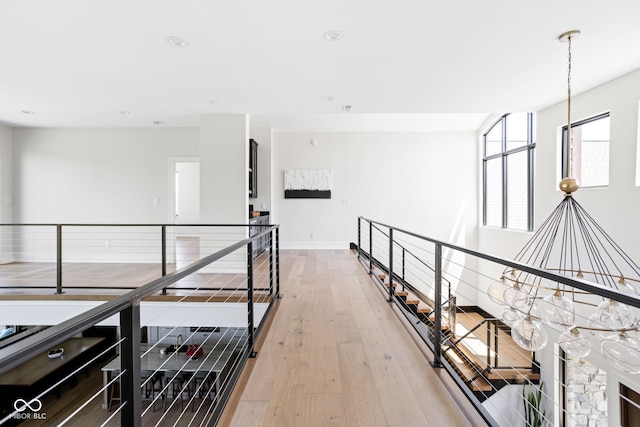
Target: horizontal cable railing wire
[[64, 253], [230, 276]]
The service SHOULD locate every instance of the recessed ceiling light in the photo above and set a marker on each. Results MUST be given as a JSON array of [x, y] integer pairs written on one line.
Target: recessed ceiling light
[[327, 98], [333, 35], [176, 41], [28, 112], [210, 101], [124, 112]]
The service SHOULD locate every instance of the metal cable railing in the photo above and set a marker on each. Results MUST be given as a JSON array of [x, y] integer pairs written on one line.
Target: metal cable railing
[[477, 347], [216, 305]]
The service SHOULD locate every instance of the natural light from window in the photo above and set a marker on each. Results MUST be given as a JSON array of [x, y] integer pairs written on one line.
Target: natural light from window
[[508, 172], [590, 152]]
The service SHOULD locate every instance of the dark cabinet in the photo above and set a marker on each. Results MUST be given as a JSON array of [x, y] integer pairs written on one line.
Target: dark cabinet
[[253, 168]]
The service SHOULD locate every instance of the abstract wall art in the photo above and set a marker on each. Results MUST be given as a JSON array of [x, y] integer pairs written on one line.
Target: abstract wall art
[[307, 183]]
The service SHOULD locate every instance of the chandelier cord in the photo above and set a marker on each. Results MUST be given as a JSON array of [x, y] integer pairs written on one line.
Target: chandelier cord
[[569, 133]]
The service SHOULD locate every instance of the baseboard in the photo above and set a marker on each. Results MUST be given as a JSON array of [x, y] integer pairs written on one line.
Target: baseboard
[[314, 245]]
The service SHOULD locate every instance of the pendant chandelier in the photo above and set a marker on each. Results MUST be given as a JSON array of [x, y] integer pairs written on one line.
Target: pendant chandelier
[[571, 243]]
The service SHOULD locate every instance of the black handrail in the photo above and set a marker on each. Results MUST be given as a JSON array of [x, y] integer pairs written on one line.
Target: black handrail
[[583, 285], [472, 330], [434, 340], [59, 286], [416, 257], [50, 337], [128, 307]]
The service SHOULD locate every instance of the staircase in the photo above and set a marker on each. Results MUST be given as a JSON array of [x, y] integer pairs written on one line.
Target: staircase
[[469, 343]]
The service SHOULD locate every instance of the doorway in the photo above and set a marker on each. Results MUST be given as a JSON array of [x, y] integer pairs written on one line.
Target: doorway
[[187, 192], [184, 209]]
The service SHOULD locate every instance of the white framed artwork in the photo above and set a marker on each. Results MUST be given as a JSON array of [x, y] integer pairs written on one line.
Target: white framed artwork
[[308, 183]]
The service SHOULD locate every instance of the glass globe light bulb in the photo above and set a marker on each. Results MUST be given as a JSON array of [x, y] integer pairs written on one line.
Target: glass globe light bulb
[[495, 292], [625, 287], [622, 352], [529, 334], [510, 315], [557, 311], [574, 343], [517, 298], [594, 323], [614, 315]]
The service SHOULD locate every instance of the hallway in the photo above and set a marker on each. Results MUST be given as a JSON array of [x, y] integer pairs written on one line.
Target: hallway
[[336, 354]]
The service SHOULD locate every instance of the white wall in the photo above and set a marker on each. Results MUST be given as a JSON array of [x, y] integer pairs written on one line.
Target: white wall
[[423, 182], [224, 159], [6, 178], [6, 193], [95, 175], [614, 207]]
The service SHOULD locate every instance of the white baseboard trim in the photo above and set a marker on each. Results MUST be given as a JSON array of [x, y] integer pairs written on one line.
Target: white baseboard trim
[[314, 245]]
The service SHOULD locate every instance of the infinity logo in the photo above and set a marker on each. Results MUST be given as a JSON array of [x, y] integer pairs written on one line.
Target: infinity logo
[[20, 405]]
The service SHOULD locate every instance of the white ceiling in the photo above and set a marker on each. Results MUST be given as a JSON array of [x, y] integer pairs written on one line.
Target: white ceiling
[[77, 63]]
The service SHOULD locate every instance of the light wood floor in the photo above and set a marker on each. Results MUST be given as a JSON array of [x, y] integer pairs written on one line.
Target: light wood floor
[[337, 355]]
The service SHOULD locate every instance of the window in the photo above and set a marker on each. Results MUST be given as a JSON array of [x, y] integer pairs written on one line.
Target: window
[[507, 166], [590, 151]]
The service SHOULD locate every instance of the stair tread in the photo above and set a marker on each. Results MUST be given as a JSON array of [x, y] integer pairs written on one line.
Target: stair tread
[[512, 374], [467, 372]]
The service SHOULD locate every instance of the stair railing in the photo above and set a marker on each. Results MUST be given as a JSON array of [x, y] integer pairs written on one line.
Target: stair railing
[[435, 339], [406, 251]]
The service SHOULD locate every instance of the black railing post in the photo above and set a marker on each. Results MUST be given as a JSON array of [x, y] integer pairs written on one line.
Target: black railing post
[[403, 268], [359, 238], [370, 247], [437, 332], [164, 255], [59, 259], [495, 343], [390, 265], [278, 262], [270, 263], [250, 328], [489, 343], [130, 365]]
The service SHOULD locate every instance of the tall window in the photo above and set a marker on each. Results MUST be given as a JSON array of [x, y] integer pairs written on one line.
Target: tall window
[[507, 167], [590, 151]]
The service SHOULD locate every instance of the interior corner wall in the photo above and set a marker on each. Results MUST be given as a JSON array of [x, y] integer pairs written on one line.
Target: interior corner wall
[[224, 162], [6, 174], [422, 182], [95, 175]]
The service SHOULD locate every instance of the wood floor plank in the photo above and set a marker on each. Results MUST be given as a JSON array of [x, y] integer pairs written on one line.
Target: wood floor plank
[[398, 401], [342, 327], [250, 414], [324, 410], [364, 407], [324, 372]]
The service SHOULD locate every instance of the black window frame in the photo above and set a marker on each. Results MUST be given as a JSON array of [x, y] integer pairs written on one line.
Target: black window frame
[[565, 145], [504, 154]]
